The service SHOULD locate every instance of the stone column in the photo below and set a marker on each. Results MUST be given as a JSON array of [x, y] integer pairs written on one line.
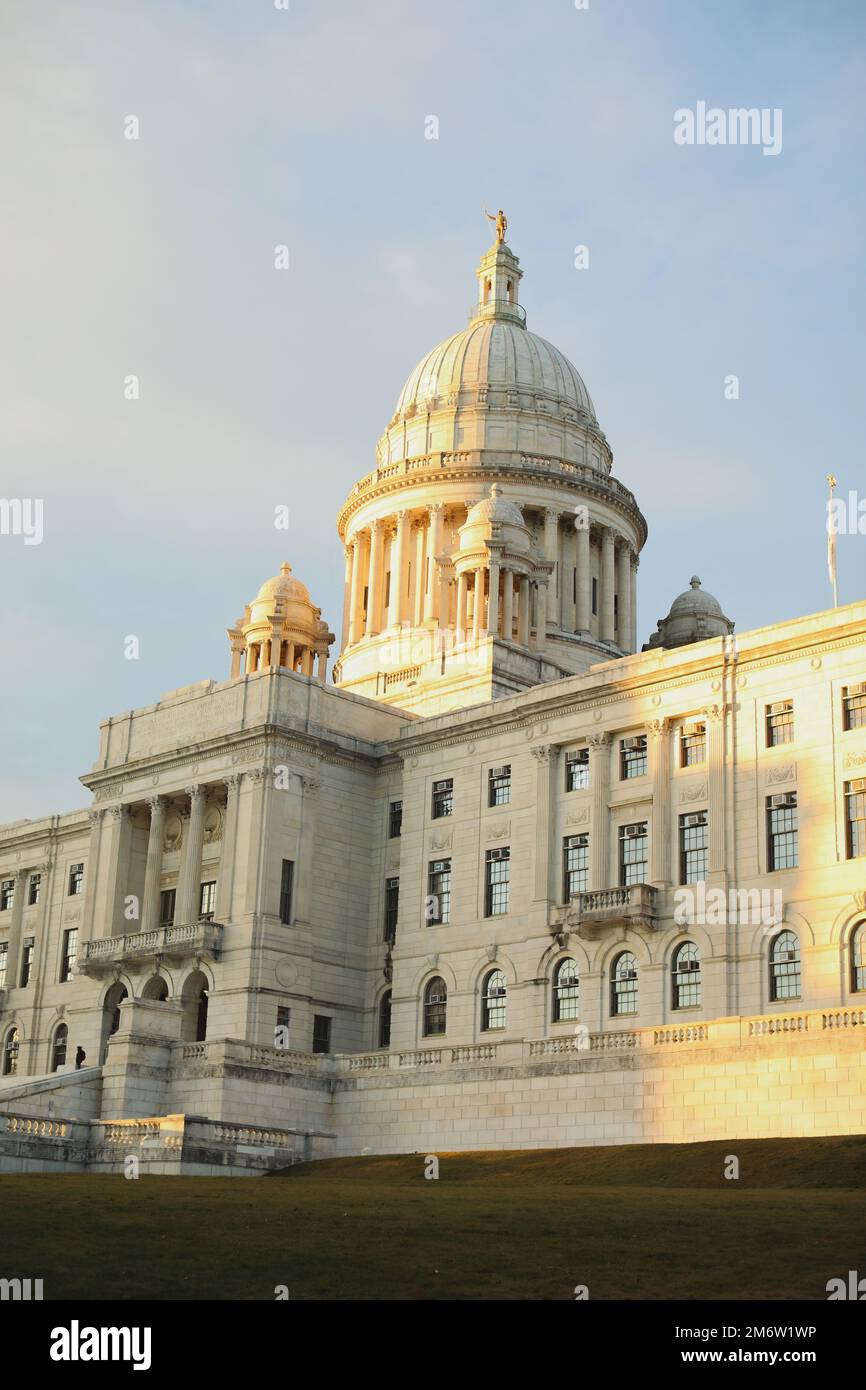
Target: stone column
[[348, 551], [546, 764], [398, 572], [419, 567], [541, 602], [551, 552], [599, 780], [493, 598], [237, 655], [623, 626], [716, 858], [523, 614], [659, 768], [583, 605], [225, 880], [607, 586], [507, 604], [108, 910], [566, 581], [190, 873], [153, 867], [322, 667], [478, 606], [462, 582], [374, 578], [434, 546], [91, 875], [356, 602], [633, 600]]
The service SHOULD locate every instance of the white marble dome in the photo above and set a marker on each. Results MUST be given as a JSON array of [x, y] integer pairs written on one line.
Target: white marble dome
[[495, 353]]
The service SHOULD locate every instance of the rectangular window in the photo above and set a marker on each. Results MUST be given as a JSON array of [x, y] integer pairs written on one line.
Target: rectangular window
[[855, 817], [395, 820], [7, 894], [632, 757], [4, 962], [780, 723], [70, 953], [35, 888], [497, 871], [443, 798], [499, 785], [392, 902], [281, 1032], [76, 880], [782, 831], [207, 902], [693, 847], [321, 1033], [575, 856], [577, 770], [854, 706], [167, 901], [594, 597], [287, 879], [632, 853], [387, 604], [693, 745], [439, 891], [27, 952]]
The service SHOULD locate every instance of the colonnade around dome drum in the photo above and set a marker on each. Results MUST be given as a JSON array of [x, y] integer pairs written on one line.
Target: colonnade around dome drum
[[579, 580]]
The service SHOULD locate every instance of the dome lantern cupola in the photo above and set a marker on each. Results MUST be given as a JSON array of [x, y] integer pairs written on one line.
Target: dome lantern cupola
[[694, 616], [281, 628]]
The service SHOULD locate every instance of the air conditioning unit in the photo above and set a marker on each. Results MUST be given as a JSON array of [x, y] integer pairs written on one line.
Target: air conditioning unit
[[632, 831], [856, 689], [783, 799], [698, 819], [630, 743]]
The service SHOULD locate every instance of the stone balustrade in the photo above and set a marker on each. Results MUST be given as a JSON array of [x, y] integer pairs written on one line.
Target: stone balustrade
[[175, 942]]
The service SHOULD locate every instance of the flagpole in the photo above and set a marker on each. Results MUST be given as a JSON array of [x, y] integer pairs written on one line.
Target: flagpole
[[831, 540]]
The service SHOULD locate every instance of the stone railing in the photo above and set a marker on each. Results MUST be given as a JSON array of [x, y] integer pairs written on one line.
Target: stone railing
[[718, 1032], [174, 943], [35, 1127], [611, 907], [160, 1131]]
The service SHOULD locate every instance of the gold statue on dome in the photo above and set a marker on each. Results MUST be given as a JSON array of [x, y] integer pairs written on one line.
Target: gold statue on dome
[[500, 221]]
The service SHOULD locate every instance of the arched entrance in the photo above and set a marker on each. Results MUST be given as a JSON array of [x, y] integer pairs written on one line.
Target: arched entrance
[[156, 988], [111, 1014], [10, 1053], [194, 998]]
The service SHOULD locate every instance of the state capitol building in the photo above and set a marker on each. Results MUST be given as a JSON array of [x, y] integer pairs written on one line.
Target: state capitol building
[[504, 873]]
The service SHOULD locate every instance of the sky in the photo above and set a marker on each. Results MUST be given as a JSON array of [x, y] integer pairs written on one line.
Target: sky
[[306, 127]]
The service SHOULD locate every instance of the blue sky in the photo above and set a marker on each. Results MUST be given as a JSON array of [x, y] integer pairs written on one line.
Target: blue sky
[[306, 128]]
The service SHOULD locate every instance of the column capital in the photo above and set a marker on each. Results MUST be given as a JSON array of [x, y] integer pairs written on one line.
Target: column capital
[[599, 740], [196, 793], [552, 514], [714, 713], [657, 727], [543, 752], [121, 812], [436, 508], [156, 803], [376, 526], [95, 818], [232, 781], [402, 517], [635, 560]]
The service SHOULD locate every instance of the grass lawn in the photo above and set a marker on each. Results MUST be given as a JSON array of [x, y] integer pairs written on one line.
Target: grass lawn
[[637, 1222]]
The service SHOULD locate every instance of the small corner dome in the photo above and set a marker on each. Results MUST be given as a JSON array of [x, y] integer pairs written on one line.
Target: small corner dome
[[284, 585], [495, 513], [694, 616]]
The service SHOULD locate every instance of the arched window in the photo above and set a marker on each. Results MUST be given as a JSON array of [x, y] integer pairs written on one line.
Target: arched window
[[686, 972], [785, 974], [10, 1053], [435, 1006], [385, 1019], [566, 991], [493, 1001], [58, 1048], [858, 958], [623, 985]]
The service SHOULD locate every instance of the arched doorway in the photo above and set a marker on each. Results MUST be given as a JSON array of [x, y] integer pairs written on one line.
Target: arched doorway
[[59, 1046], [10, 1053], [194, 998], [156, 988], [111, 1014]]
